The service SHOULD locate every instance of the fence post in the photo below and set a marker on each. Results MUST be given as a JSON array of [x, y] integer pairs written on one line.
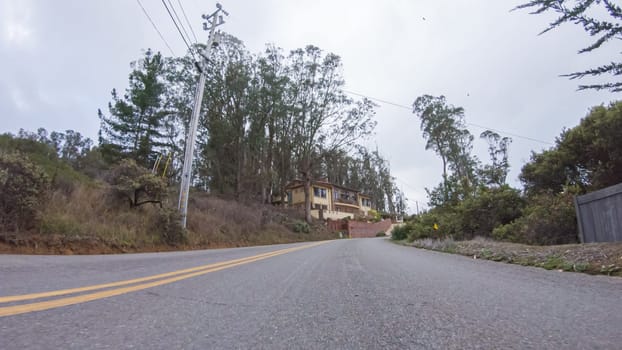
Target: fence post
[[579, 219]]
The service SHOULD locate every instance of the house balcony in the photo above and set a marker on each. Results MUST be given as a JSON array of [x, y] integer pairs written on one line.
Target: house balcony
[[352, 202]]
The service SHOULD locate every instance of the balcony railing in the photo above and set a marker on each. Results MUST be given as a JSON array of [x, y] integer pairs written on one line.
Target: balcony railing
[[347, 201]]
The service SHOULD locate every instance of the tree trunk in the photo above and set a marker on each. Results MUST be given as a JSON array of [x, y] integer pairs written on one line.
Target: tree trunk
[[445, 194], [306, 173], [307, 198], [267, 187]]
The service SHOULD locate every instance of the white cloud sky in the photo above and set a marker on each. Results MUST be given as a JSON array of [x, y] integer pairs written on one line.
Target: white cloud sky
[[60, 59]]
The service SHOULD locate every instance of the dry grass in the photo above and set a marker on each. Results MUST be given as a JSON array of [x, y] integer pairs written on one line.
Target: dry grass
[[88, 220], [88, 212], [593, 258], [214, 221]]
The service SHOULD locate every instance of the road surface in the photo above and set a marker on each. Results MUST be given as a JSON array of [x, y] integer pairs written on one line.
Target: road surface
[[346, 294]]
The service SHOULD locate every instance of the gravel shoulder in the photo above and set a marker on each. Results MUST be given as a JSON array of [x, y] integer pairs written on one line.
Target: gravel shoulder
[[592, 258]]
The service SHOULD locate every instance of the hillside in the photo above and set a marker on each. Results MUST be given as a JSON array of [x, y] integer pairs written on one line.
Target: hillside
[[76, 209]]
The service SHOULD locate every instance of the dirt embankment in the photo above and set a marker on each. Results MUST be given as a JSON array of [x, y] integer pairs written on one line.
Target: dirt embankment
[[58, 244], [63, 245], [592, 258]]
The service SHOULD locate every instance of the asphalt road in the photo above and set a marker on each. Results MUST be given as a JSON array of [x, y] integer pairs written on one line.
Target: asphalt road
[[347, 294]]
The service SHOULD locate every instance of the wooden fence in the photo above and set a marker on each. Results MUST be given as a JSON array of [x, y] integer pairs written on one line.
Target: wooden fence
[[599, 215]]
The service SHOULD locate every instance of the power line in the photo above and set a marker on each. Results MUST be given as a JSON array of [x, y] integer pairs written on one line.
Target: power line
[[408, 185], [179, 21], [187, 21], [379, 100], [471, 124], [509, 133], [155, 27], [177, 26]]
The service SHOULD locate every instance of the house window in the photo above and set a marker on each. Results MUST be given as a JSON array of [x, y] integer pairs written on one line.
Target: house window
[[319, 192]]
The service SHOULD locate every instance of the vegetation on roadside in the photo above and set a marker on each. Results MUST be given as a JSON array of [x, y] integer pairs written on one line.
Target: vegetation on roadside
[[593, 258], [49, 205], [266, 119], [473, 199]]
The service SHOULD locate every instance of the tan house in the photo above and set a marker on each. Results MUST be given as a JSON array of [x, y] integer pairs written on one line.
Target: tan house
[[335, 202]]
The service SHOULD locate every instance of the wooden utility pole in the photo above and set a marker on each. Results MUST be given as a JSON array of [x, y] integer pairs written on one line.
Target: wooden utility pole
[[212, 21]]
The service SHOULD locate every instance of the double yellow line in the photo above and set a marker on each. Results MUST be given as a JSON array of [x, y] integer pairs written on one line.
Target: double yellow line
[[126, 286]]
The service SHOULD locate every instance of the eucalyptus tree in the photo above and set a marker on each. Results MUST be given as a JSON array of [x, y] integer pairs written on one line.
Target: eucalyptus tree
[[443, 128], [270, 128], [461, 162], [495, 174], [323, 117], [222, 127], [365, 171]]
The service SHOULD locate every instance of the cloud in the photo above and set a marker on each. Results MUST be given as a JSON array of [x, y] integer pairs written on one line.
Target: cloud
[[60, 59], [19, 100], [17, 24]]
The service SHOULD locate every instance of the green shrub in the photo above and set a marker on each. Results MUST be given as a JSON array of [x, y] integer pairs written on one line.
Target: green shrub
[[554, 262], [423, 225], [477, 215], [548, 219], [375, 215], [301, 227], [511, 232], [489, 208], [23, 186], [136, 185], [400, 232], [60, 173], [381, 234]]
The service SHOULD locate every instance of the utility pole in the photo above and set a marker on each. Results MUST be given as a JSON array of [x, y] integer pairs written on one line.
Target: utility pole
[[212, 21]]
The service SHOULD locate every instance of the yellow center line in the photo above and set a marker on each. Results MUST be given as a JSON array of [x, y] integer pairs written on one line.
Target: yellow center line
[[23, 297], [178, 276]]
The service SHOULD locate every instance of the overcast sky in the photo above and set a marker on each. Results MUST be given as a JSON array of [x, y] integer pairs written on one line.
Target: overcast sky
[[59, 60]]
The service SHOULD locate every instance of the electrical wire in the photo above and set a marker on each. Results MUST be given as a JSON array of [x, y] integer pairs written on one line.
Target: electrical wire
[[470, 124], [177, 26], [187, 21], [181, 24], [155, 27]]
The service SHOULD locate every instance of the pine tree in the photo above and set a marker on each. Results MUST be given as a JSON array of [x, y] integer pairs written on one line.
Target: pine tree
[[581, 12], [134, 128]]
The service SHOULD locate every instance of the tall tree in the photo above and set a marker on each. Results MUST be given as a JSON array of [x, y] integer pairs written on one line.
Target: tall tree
[[134, 127], [269, 136], [324, 118], [443, 128], [586, 13], [496, 173], [181, 77], [587, 156], [222, 142]]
